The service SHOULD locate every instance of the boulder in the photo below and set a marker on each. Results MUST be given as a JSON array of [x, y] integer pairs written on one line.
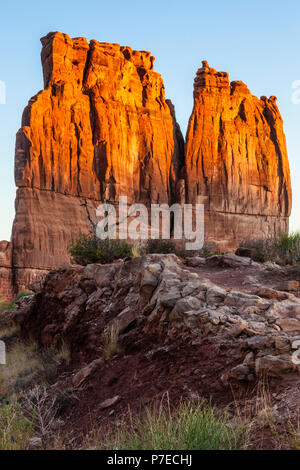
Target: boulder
[[229, 260], [195, 261], [83, 374], [273, 366]]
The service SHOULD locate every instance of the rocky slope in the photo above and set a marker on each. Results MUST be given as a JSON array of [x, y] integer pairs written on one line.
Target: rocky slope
[[179, 332], [236, 160]]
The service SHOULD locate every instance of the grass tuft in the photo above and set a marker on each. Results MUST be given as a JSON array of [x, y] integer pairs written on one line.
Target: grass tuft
[[190, 426], [15, 429], [282, 250]]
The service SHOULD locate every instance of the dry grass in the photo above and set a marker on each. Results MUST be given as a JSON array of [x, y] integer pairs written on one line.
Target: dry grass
[[8, 332], [37, 403], [26, 366]]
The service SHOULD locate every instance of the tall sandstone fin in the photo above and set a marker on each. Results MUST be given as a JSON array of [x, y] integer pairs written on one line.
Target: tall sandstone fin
[[101, 128], [236, 161]]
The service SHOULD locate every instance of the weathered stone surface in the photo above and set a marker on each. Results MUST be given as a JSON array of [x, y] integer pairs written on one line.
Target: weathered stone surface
[[290, 285], [86, 371], [101, 128], [237, 329], [236, 161], [109, 402], [229, 260], [179, 304], [274, 366], [195, 261]]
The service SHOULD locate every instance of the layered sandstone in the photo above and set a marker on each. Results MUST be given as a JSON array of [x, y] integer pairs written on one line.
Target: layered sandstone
[[101, 128], [236, 161]]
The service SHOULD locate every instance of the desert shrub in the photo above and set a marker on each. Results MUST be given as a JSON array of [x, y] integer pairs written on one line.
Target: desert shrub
[[205, 252], [15, 429], [161, 246], [190, 426], [282, 250], [287, 248], [89, 249], [37, 403]]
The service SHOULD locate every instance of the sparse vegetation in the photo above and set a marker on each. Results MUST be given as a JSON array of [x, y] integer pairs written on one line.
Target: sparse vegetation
[[27, 365], [289, 438], [37, 403], [160, 246], [15, 429], [7, 307], [283, 250], [190, 426], [88, 249], [176, 247]]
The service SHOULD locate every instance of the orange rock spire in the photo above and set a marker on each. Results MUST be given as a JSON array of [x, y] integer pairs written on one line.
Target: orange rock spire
[[236, 161]]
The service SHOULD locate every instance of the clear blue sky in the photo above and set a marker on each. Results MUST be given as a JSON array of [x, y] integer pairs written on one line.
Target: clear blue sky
[[256, 41]]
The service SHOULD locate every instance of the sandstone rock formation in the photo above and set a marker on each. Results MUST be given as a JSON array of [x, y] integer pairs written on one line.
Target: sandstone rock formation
[[236, 161], [102, 128], [6, 272]]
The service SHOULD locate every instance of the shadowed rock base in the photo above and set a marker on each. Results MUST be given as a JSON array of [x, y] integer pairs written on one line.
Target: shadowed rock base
[[226, 231]]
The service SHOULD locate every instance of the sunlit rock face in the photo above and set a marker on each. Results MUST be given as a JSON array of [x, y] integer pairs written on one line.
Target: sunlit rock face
[[102, 128], [236, 161]]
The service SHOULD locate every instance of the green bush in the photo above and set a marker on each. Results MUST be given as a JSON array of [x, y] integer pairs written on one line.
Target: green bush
[[4, 306], [282, 250], [190, 426], [160, 246], [89, 249], [178, 248], [288, 248], [15, 429]]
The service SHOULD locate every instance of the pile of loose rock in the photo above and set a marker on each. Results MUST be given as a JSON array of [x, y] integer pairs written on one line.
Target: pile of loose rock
[[167, 298]]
